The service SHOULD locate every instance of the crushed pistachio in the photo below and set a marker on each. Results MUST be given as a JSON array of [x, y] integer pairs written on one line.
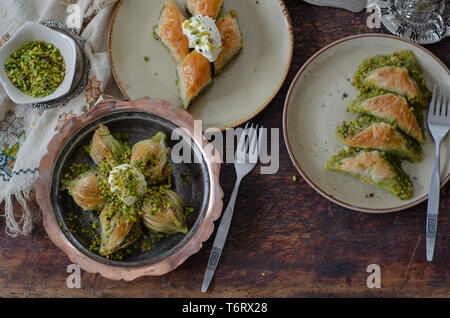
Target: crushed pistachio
[[37, 68]]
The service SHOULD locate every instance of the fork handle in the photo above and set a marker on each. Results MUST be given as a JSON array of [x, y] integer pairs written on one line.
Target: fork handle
[[221, 237], [433, 204]]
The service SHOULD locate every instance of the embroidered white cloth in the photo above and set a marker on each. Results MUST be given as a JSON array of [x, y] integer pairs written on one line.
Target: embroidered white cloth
[[25, 132]]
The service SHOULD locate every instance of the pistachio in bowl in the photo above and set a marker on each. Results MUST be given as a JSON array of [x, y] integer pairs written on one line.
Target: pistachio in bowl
[[37, 69], [37, 64]]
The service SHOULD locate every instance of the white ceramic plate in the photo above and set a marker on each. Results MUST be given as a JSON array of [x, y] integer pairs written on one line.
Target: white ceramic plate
[[240, 92], [317, 102]]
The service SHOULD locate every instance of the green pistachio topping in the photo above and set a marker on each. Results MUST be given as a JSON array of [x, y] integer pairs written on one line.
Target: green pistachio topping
[[37, 68]]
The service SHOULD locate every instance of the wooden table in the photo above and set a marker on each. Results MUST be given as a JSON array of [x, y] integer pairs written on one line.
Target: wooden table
[[285, 240]]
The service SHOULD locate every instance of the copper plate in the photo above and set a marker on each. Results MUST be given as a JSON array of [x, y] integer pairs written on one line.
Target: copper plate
[[62, 148]]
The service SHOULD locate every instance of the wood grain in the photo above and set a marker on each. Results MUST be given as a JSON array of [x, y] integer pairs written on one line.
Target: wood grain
[[285, 239]]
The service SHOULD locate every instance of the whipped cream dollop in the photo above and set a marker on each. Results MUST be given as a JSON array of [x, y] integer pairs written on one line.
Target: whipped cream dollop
[[128, 183], [204, 36]]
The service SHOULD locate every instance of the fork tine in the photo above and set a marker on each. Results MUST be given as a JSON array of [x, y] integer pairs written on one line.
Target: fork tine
[[260, 135], [432, 109], [438, 103], [247, 140], [258, 145], [241, 143], [448, 105], [444, 102], [253, 140]]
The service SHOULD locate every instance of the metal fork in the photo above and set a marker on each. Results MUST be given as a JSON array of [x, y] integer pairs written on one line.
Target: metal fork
[[245, 159], [438, 124]]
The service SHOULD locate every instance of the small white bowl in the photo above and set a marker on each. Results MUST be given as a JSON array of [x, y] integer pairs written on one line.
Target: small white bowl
[[30, 32]]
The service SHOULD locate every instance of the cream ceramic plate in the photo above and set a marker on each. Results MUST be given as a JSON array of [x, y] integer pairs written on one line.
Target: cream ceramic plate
[[243, 89], [316, 103]]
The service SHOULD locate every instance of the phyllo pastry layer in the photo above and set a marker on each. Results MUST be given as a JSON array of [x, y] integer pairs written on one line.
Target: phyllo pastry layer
[[194, 75], [170, 31], [394, 79], [210, 8], [369, 133], [116, 230], [374, 167], [397, 73], [232, 41], [86, 191], [395, 110]]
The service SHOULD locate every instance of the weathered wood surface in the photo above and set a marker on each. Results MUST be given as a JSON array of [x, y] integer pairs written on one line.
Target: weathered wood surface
[[285, 239]]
